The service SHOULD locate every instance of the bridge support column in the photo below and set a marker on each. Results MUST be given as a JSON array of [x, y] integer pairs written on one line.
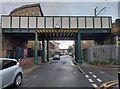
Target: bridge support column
[[78, 49], [43, 51], [36, 48], [47, 50]]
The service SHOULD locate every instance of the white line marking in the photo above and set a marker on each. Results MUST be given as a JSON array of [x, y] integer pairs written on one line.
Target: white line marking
[[80, 69], [34, 76], [99, 80], [102, 72], [95, 85], [86, 76], [94, 76], [74, 72], [72, 64], [90, 72], [90, 80]]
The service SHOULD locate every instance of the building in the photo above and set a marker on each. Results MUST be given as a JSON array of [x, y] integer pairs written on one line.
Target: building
[[31, 44], [27, 10], [87, 43], [51, 49], [12, 45], [64, 51], [56, 46], [116, 31]]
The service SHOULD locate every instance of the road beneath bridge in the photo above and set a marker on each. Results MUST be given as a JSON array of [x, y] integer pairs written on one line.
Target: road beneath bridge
[[56, 73], [64, 73]]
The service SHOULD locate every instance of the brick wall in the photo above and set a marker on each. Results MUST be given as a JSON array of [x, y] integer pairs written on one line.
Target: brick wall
[[27, 12]]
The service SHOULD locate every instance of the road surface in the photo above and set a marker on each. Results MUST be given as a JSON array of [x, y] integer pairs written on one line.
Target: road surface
[[64, 73], [56, 73]]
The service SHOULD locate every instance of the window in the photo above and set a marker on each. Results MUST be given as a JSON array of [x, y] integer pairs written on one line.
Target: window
[[33, 13], [8, 63], [26, 13], [19, 14], [22, 13]]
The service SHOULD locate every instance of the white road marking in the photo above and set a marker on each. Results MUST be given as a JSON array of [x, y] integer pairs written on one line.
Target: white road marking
[[74, 72], [95, 85], [99, 80], [94, 76], [80, 69], [72, 64], [86, 76], [34, 76], [90, 72], [90, 80], [102, 72]]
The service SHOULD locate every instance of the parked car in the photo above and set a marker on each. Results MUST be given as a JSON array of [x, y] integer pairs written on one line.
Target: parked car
[[11, 72], [70, 54], [56, 57]]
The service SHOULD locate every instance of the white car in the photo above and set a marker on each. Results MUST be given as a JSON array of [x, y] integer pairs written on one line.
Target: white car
[[56, 57], [11, 72]]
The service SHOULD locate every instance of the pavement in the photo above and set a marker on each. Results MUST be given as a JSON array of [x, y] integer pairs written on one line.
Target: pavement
[[27, 68]]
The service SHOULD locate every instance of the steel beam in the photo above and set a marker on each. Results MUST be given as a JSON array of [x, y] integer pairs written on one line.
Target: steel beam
[[76, 49]]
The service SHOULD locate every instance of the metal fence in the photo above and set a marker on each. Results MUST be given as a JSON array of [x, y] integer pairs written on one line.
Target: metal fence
[[103, 53]]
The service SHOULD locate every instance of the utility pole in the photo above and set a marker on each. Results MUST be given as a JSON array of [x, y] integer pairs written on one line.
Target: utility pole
[[95, 11]]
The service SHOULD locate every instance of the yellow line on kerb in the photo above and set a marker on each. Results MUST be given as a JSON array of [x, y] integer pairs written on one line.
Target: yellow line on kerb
[[108, 84]]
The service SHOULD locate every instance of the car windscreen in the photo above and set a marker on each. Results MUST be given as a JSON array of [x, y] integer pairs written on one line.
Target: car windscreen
[[56, 55]]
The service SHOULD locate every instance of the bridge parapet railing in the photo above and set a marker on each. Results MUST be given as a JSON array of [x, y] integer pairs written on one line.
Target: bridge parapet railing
[[56, 22]]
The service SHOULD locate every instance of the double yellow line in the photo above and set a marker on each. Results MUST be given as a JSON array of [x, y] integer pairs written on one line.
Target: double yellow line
[[108, 84]]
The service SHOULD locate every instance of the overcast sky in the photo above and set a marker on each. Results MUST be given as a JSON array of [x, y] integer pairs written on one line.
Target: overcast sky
[[65, 8]]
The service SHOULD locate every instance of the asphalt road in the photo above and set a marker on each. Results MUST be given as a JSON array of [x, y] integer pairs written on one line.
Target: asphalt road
[[64, 73], [56, 73], [99, 75]]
